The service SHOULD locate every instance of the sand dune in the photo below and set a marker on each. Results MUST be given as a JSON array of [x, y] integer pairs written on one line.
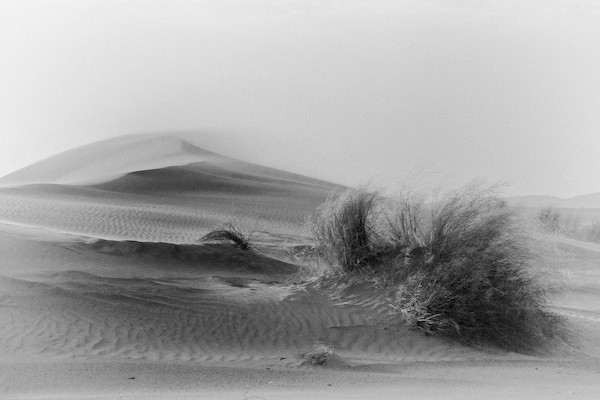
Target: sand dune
[[152, 161], [586, 201], [172, 203], [106, 282], [109, 159]]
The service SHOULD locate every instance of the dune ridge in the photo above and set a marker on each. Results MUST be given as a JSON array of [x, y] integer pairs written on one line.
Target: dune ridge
[[111, 159], [108, 159]]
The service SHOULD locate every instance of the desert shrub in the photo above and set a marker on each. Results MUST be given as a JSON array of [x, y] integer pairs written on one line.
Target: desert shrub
[[475, 276], [321, 354], [228, 233], [344, 229], [459, 266], [569, 222], [549, 219], [503, 308]]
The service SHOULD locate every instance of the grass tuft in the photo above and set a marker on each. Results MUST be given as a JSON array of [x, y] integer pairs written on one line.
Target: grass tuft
[[229, 233], [344, 229], [321, 354]]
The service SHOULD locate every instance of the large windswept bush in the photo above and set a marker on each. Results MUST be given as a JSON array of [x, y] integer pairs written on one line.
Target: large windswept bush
[[476, 278], [459, 266]]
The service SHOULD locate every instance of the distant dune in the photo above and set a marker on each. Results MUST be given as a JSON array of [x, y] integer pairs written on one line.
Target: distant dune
[[111, 159], [213, 173], [584, 201], [145, 159]]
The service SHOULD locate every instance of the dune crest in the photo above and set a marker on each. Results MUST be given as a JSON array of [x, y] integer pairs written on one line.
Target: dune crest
[[138, 156], [109, 159]]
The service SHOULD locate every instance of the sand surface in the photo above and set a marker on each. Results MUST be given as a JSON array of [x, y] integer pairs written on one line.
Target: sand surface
[[105, 293]]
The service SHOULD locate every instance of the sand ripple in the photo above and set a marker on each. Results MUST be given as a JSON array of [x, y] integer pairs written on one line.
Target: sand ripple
[[148, 301], [96, 213]]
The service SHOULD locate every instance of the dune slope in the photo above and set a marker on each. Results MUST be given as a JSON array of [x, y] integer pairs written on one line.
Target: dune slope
[[109, 159], [156, 189]]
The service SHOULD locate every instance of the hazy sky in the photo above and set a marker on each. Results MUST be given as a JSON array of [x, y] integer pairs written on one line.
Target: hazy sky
[[438, 92]]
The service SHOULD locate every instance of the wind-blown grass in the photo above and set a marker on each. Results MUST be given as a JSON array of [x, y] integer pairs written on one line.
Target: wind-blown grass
[[460, 266], [228, 234], [344, 229]]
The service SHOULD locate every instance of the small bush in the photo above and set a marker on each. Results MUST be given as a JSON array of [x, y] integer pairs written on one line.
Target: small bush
[[321, 354], [550, 220], [344, 229], [229, 233], [573, 223]]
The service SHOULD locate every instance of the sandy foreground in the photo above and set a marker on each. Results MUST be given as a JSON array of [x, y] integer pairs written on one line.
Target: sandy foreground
[[105, 294]]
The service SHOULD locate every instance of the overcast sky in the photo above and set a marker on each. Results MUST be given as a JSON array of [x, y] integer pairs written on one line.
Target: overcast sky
[[438, 92]]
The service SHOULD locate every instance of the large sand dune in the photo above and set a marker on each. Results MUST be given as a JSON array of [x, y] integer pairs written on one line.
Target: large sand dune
[[108, 191], [105, 292]]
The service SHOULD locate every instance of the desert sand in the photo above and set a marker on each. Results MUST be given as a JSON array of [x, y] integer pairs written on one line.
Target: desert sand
[[106, 293]]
